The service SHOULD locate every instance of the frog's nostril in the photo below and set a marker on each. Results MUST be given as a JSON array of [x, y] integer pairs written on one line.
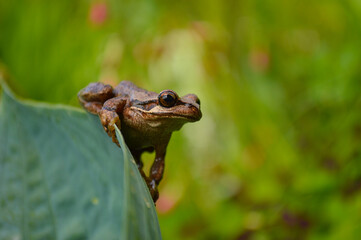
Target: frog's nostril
[[198, 101]]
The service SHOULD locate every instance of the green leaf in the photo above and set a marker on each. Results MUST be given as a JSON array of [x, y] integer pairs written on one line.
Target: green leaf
[[61, 177]]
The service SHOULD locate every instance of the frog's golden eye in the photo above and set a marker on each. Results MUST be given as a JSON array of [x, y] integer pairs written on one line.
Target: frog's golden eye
[[167, 98]]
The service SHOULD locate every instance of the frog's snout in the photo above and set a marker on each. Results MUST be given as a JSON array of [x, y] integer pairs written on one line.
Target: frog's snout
[[194, 105], [192, 99], [197, 115], [198, 101]]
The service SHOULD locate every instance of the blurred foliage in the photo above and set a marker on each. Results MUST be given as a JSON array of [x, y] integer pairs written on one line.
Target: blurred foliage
[[277, 153]]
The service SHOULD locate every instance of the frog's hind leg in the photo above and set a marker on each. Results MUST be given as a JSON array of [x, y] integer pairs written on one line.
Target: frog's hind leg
[[94, 95], [137, 157]]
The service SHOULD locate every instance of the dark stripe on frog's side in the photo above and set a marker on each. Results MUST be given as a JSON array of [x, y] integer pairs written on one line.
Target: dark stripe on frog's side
[[145, 105]]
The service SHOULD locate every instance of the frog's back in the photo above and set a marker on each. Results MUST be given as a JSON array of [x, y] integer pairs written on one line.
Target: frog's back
[[131, 91]]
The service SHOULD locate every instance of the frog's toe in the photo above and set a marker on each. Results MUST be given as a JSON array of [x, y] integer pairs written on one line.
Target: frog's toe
[[109, 120], [155, 195], [110, 130], [114, 139]]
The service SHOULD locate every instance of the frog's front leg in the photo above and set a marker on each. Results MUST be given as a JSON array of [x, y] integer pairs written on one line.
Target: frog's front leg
[[109, 115], [137, 157], [157, 170]]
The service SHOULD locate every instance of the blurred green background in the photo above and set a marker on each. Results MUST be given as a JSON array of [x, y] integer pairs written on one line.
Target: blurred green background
[[277, 153]]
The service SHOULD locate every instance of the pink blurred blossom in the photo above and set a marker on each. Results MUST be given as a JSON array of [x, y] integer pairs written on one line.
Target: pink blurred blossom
[[98, 13], [259, 60], [165, 203]]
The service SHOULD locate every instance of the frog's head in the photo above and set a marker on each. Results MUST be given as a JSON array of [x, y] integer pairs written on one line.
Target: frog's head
[[169, 110]]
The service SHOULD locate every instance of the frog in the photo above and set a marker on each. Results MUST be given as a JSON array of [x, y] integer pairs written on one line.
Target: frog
[[145, 118]]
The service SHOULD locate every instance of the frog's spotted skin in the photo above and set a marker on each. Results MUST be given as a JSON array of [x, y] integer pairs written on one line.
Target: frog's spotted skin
[[146, 119]]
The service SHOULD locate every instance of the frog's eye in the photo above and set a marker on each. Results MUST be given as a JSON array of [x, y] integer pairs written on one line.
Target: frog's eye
[[167, 98]]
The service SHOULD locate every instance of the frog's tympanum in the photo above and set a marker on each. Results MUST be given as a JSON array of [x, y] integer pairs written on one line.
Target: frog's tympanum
[[146, 120]]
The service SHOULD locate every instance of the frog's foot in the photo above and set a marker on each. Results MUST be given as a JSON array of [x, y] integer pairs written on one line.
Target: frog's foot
[[109, 119], [152, 186], [153, 189]]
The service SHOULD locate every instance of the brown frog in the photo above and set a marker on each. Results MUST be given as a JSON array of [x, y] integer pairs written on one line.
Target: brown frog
[[146, 120]]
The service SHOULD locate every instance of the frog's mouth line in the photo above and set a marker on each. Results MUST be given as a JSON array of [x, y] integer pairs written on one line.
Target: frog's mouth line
[[193, 118]]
